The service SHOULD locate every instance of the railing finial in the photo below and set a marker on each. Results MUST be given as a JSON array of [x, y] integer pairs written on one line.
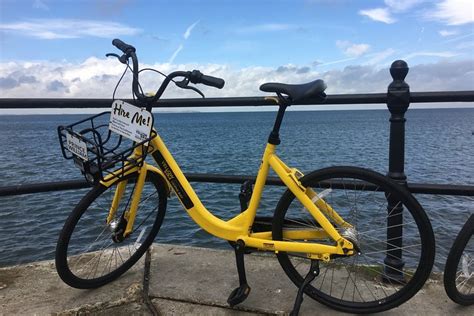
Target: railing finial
[[398, 96], [399, 70]]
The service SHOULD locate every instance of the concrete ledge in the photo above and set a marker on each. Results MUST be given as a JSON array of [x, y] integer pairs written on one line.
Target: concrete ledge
[[37, 289], [184, 280]]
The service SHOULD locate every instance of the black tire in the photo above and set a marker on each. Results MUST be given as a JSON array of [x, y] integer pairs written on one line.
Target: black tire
[[459, 271], [370, 290], [87, 256]]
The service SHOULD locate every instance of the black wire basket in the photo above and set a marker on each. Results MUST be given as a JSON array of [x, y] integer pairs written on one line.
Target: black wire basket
[[99, 152]]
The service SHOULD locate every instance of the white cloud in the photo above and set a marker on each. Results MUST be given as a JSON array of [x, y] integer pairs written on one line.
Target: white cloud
[[457, 38], [352, 49], [453, 12], [379, 15], [446, 54], [96, 78], [445, 33], [189, 29], [90, 68], [333, 62], [402, 5], [392, 6], [186, 35], [176, 52], [466, 46], [379, 57], [357, 49], [68, 28]]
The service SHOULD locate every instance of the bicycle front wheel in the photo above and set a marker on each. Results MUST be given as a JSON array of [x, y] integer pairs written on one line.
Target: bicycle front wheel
[[90, 252], [459, 269], [385, 271]]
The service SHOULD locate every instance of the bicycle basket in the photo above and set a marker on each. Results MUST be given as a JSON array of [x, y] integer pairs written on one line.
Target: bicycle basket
[[100, 152]]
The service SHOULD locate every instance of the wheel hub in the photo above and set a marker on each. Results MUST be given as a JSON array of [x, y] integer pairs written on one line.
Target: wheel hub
[[351, 235], [117, 228]]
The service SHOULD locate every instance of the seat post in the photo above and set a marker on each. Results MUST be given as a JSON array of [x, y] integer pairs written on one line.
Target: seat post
[[274, 137]]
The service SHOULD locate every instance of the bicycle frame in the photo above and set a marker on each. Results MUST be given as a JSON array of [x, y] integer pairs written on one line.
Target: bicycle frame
[[239, 227]]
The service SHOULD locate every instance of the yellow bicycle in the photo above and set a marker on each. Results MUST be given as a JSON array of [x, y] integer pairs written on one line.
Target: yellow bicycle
[[329, 230]]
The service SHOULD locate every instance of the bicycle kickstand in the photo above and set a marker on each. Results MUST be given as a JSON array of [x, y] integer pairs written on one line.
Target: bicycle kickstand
[[239, 294], [312, 273]]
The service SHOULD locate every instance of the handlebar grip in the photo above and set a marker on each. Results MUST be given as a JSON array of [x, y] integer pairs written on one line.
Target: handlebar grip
[[212, 81], [125, 48], [197, 77]]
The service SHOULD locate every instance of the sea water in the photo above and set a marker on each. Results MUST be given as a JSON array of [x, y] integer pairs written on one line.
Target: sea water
[[439, 149]]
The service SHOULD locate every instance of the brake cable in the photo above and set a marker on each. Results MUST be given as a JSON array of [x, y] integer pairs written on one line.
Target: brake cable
[[184, 84]]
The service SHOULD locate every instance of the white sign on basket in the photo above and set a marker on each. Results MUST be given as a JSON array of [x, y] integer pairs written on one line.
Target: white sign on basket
[[77, 146], [130, 121]]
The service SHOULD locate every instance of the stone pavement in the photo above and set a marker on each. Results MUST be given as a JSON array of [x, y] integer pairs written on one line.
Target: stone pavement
[[183, 281]]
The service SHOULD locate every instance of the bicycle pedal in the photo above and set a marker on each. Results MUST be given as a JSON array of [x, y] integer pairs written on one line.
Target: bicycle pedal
[[238, 295]]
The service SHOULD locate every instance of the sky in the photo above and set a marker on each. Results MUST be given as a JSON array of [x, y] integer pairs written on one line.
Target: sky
[[57, 49]]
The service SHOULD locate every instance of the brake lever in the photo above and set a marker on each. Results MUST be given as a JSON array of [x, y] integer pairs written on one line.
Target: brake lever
[[123, 59], [184, 85], [113, 55]]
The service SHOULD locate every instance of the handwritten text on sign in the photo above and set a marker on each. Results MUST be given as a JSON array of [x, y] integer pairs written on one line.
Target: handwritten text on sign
[[130, 121]]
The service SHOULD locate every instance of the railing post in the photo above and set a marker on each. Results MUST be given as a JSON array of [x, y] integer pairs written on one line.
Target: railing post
[[398, 100]]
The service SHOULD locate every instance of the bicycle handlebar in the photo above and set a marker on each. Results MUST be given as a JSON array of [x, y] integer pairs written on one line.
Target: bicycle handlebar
[[194, 76], [125, 48]]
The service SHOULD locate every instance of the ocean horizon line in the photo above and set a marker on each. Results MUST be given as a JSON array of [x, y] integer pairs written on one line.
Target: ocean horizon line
[[233, 109]]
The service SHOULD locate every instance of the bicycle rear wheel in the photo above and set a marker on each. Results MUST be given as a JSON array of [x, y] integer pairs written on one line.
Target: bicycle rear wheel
[[459, 268], [90, 252], [359, 283]]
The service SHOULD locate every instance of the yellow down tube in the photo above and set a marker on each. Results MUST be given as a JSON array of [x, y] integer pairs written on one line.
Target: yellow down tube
[[239, 227], [189, 199]]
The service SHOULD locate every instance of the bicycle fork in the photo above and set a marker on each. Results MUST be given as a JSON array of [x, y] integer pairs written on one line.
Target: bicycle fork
[[125, 225]]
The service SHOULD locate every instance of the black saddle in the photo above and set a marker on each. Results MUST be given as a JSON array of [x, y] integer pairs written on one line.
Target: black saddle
[[298, 92]]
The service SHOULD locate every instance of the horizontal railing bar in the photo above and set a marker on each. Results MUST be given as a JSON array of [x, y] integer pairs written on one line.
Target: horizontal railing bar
[[441, 96], [27, 188], [441, 189], [364, 98]]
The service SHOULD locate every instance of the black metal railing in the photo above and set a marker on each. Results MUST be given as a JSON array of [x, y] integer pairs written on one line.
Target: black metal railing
[[332, 99], [29, 188], [397, 98]]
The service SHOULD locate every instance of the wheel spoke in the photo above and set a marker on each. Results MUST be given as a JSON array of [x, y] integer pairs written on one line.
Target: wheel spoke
[[359, 283], [97, 252]]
